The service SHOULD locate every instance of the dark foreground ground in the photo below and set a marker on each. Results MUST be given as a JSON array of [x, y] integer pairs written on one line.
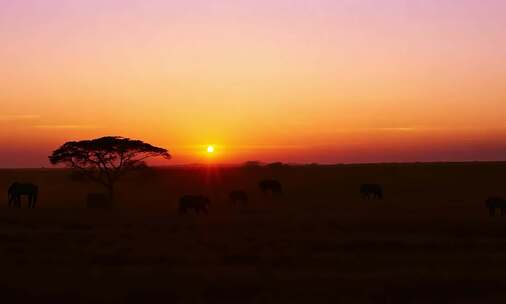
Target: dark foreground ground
[[430, 241]]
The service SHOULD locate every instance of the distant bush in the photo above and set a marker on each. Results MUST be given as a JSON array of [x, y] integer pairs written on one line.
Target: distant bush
[[252, 164], [276, 165]]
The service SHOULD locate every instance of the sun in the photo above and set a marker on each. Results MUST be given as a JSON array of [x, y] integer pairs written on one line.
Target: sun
[[210, 149]]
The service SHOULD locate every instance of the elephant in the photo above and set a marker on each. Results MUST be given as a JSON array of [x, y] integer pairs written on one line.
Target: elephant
[[371, 191], [238, 197], [195, 202], [17, 190], [493, 203], [271, 186]]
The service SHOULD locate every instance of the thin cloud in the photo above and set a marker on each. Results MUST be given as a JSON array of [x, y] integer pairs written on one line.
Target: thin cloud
[[436, 128], [64, 127], [399, 129], [19, 117], [233, 147], [268, 147]]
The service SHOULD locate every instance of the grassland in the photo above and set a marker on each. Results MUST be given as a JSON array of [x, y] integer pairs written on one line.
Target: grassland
[[430, 241]]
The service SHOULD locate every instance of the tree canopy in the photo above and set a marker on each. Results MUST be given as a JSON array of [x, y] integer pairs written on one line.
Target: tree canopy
[[106, 159]]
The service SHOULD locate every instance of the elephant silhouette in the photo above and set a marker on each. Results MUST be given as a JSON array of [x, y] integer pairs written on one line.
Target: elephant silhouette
[[17, 190], [371, 191], [238, 197], [494, 203], [271, 186], [196, 202]]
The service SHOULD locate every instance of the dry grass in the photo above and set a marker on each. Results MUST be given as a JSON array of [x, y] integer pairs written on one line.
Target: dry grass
[[429, 241]]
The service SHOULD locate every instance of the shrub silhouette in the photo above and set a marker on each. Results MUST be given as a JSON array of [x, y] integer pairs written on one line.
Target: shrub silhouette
[[97, 200], [276, 165]]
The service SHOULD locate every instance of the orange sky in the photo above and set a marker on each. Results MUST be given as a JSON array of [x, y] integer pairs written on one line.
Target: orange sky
[[299, 81]]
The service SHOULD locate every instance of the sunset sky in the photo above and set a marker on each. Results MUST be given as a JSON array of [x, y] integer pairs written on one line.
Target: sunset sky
[[326, 81]]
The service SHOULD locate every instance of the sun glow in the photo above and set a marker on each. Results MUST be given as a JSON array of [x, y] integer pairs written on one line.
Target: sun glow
[[210, 149]]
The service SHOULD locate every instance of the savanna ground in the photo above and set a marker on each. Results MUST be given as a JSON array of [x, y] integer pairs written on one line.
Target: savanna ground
[[430, 241]]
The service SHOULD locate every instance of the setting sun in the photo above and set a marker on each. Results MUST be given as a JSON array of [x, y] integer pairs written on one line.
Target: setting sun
[[210, 149]]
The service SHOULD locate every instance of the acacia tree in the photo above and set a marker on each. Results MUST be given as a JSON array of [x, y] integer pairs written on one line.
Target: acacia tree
[[105, 160]]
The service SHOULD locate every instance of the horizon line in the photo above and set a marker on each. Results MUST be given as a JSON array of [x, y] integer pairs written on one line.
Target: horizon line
[[292, 164]]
